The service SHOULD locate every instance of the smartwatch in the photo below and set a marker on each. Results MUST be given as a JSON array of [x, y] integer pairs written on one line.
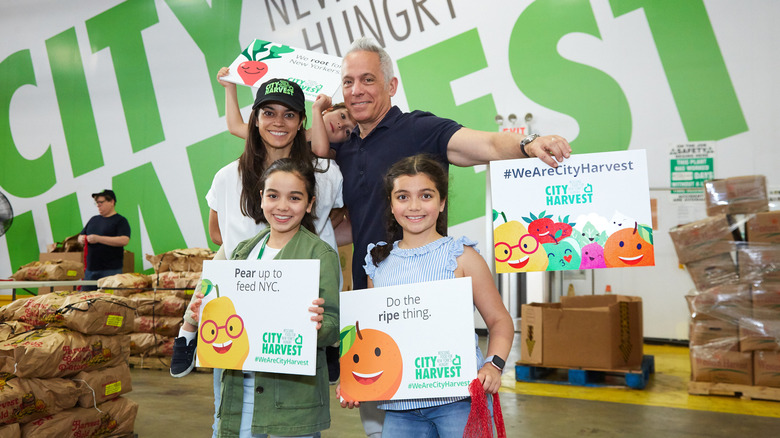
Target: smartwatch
[[496, 362]]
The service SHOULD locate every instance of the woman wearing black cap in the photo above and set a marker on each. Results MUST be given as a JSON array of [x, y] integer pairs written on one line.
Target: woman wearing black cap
[[275, 130]]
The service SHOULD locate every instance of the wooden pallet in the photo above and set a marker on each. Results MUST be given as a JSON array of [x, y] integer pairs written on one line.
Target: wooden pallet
[[746, 392], [636, 379]]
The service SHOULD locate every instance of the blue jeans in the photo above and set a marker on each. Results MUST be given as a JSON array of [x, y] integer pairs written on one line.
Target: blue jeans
[[443, 421], [97, 275]]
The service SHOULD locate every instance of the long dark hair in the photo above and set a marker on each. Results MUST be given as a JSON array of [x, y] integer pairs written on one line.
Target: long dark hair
[[303, 171], [251, 164], [416, 164]]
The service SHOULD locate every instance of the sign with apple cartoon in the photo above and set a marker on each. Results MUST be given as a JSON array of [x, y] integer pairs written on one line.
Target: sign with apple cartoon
[[407, 342], [255, 316], [592, 211], [263, 60]]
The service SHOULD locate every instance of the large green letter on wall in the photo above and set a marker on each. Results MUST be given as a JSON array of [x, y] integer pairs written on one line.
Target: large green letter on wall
[[215, 30], [19, 176], [426, 76], [139, 193], [119, 29], [206, 158], [694, 66], [78, 119], [589, 95]]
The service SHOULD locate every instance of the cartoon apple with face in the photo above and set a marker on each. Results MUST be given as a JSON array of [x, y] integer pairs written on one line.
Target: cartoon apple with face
[[371, 364]]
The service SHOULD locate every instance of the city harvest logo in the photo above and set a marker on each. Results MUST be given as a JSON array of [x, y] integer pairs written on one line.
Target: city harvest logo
[[307, 85], [442, 366], [280, 87], [287, 343], [576, 192]]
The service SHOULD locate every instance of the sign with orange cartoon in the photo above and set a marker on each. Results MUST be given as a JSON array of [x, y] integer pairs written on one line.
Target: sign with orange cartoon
[[592, 211], [255, 316], [407, 342], [262, 60]]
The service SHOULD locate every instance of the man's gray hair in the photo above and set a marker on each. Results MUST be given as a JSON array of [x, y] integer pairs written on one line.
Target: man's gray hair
[[366, 44]]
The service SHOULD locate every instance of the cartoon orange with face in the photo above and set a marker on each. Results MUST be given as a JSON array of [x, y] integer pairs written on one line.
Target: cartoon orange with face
[[371, 364], [625, 247], [518, 251]]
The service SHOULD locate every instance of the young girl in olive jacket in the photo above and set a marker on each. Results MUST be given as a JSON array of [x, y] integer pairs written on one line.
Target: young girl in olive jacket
[[260, 403]]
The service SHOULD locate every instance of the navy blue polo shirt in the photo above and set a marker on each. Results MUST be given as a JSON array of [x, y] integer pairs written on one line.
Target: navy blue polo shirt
[[364, 162]]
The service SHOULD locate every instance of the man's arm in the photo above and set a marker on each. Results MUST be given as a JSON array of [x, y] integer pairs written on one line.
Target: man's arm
[[108, 240], [468, 147]]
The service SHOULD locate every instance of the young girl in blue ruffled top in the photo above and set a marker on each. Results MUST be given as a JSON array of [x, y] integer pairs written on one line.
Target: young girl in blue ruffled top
[[416, 187]]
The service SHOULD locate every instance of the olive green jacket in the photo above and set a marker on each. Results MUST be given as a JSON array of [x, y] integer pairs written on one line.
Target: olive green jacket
[[288, 404]]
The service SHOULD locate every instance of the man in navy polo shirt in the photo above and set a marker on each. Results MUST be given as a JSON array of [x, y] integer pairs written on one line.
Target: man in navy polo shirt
[[104, 238], [385, 135]]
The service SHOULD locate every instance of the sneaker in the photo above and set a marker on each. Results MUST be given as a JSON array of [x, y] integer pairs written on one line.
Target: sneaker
[[183, 360]]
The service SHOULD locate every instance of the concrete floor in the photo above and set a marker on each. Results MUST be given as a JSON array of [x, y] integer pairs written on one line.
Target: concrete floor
[[172, 408]]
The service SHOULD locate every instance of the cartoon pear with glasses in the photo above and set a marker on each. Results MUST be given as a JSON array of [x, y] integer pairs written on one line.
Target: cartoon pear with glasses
[[516, 250], [224, 342]]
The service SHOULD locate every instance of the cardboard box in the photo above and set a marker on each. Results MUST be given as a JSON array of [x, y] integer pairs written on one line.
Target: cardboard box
[[714, 333], [713, 271], [760, 335], [747, 194], [718, 366], [727, 302], [591, 332], [764, 227], [759, 262], [704, 238], [736, 195], [716, 197], [766, 300], [766, 368]]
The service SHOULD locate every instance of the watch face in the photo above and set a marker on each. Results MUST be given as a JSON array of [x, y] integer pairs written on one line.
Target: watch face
[[499, 362]]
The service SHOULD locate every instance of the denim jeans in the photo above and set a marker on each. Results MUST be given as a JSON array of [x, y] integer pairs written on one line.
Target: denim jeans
[[445, 421], [97, 275]]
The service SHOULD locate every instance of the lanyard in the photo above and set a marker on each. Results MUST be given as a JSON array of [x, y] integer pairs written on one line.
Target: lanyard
[[262, 247]]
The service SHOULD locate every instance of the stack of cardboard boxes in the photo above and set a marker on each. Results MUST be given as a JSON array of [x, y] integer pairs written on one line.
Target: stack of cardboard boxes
[[733, 258]]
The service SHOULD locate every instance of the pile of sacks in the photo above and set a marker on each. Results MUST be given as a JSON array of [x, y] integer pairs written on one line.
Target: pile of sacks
[[58, 269], [160, 299], [63, 366]]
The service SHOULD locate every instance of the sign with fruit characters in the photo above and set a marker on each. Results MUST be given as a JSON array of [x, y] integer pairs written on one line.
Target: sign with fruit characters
[[408, 342], [255, 316], [263, 60], [592, 211]]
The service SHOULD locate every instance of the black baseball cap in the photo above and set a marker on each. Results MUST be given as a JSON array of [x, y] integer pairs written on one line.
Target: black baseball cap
[[283, 91], [107, 193]]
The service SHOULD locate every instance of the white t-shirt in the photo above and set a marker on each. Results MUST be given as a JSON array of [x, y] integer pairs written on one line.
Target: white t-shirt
[[224, 197]]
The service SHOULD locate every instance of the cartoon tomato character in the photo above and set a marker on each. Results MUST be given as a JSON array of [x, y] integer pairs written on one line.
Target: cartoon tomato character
[[223, 341], [516, 250], [371, 364], [626, 247], [563, 255]]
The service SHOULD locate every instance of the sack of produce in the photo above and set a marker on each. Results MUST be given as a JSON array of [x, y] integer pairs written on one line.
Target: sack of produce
[[113, 418], [188, 259], [97, 313], [25, 399], [99, 386], [60, 352]]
